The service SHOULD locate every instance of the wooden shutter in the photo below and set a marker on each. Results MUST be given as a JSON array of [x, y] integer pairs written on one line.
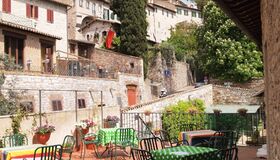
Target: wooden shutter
[[36, 12], [28, 10], [6, 6], [50, 16]]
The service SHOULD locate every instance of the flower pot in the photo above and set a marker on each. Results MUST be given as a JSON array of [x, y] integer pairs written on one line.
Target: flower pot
[[110, 124], [42, 138], [85, 130], [90, 146]]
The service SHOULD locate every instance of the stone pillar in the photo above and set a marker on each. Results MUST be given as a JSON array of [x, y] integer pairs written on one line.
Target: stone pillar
[[270, 11]]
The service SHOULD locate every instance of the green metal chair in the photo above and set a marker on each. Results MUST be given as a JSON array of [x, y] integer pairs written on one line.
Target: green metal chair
[[124, 137], [52, 152], [15, 140], [68, 145]]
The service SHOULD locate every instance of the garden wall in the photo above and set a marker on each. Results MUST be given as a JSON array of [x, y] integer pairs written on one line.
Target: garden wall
[[205, 93]]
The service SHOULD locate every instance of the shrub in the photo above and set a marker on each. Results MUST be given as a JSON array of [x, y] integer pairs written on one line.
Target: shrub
[[184, 112]]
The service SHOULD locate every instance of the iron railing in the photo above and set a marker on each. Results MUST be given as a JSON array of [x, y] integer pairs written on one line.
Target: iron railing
[[250, 127]]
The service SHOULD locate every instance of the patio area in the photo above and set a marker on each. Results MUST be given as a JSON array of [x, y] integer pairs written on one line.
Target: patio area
[[245, 153]]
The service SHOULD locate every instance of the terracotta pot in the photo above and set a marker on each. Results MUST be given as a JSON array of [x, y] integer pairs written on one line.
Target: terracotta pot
[[42, 138], [90, 146], [85, 131]]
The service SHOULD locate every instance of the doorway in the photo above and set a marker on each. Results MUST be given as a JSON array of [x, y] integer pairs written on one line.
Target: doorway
[[47, 57], [131, 94], [13, 47]]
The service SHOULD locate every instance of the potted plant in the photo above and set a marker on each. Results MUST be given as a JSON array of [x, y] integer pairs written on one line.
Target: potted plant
[[85, 124], [217, 112], [147, 112], [242, 111], [43, 133], [111, 121]]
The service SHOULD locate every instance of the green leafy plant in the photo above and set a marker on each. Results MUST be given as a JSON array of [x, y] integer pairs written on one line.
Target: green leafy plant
[[224, 52], [184, 112]]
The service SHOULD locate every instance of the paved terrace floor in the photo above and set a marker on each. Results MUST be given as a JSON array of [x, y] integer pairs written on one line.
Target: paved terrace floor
[[245, 153]]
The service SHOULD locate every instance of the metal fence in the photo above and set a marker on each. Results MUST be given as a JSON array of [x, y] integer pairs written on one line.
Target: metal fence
[[250, 126]]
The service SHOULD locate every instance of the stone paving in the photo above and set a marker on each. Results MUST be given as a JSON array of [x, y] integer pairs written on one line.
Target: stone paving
[[245, 153]]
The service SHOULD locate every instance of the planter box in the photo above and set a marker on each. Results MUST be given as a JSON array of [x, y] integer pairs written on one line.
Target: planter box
[[109, 124]]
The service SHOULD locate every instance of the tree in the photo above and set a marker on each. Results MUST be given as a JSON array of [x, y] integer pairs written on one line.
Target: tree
[[183, 40], [224, 52], [133, 27], [201, 3]]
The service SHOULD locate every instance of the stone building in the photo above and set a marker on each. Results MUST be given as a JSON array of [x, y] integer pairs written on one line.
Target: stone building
[[31, 32], [163, 15], [259, 20]]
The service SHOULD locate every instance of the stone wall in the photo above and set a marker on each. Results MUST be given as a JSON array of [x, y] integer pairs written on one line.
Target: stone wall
[[255, 83], [204, 93], [115, 61], [233, 95], [114, 96], [182, 76]]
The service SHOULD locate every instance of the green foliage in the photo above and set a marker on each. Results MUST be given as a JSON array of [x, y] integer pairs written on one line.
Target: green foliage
[[133, 27], [201, 3], [183, 41], [116, 43], [224, 52], [184, 112]]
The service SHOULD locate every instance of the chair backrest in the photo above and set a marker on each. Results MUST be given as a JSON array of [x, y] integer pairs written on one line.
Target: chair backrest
[[229, 154], [218, 142], [53, 152], [125, 135], [151, 144], [231, 135], [68, 144], [140, 154], [15, 140]]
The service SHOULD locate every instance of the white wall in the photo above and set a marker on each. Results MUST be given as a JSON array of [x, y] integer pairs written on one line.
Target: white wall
[[58, 28]]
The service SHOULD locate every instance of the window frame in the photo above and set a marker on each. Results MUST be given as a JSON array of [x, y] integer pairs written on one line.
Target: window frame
[[32, 11], [179, 11], [81, 3], [82, 103], [57, 105], [194, 14]]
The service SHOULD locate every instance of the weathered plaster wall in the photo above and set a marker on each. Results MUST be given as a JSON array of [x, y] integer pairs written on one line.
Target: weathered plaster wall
[[270, 11]]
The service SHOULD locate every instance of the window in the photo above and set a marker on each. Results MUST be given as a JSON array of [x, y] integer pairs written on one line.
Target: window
[[131, 65], [149, 12], [112, 16], [81, 103], [162, 12], [172, 15], [199, 14], [93, 9], [14, 46], [31, 11], [179, 11], [81, 3], [87, 4], [74, 3], [106, 14], [186, 13], [26, 107], [56, 104], [50, 16], [167, 13], [6, 6], [193, 13], [156, 10], [158, 24], [72, 48]]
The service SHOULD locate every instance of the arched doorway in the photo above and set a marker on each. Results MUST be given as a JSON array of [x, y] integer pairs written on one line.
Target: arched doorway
[[131, 94]]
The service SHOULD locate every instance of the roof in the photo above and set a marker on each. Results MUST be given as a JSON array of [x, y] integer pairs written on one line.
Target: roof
[[82, 41], [183, 5], [28, 29], [164, 4], [96, 19], [246, 14], [232, 108], [63, 2]]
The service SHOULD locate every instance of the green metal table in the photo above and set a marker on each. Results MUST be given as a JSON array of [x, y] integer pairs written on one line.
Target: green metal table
[[186, 153], [108, 136]]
